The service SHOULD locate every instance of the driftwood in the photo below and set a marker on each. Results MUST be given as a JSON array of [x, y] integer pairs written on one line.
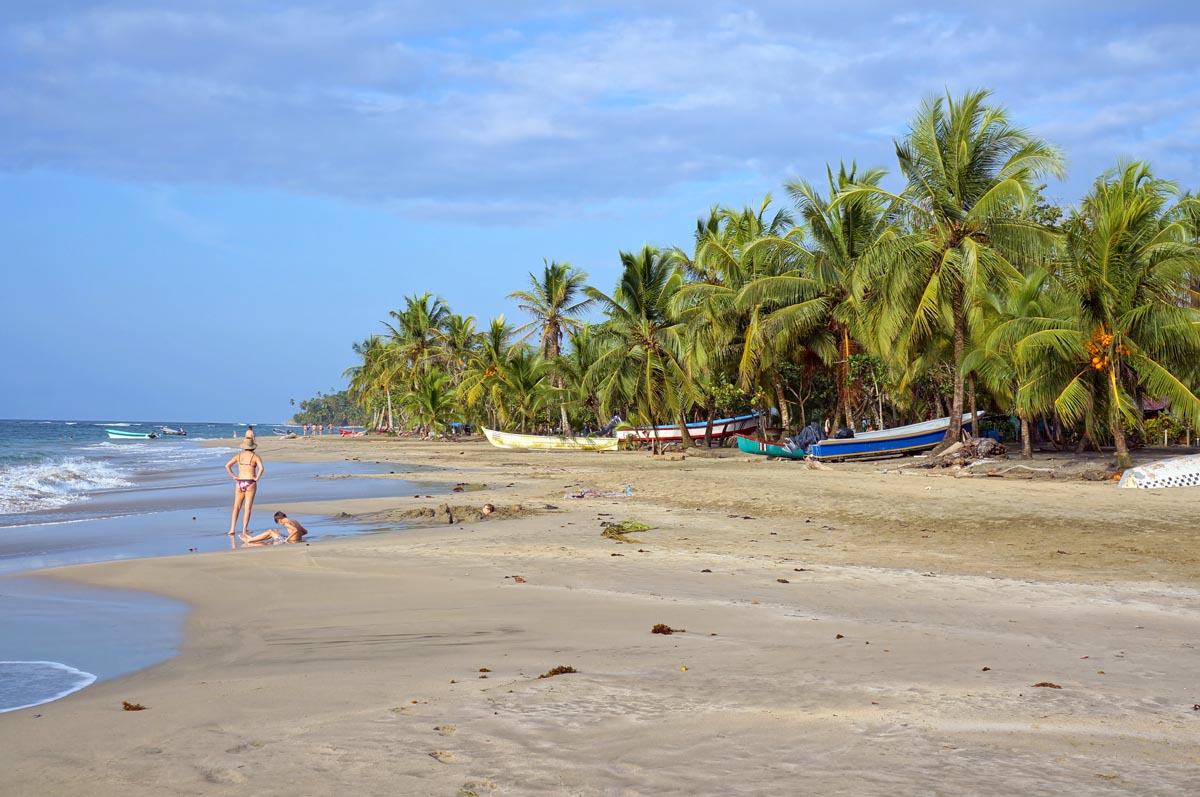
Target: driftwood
[[963, 454]]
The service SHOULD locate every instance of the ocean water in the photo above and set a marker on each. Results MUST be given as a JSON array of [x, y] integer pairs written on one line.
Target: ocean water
[[69, 495]]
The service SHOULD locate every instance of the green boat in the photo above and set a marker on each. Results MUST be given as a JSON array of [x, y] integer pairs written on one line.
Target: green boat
[[751, 445]]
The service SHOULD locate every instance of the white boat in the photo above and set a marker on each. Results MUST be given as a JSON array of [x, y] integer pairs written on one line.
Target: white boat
[[1175, 472], [167, 430], [670, 433], [537, 442], [120, 434]]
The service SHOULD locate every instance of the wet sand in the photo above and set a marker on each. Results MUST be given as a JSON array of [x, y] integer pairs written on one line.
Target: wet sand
[[847, 631]]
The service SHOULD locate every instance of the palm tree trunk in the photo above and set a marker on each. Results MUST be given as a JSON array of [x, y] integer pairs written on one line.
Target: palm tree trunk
[[954, 429], [844, 379], [685, 435], [1124, 461], [972, 405], [391, 424], [1026, 438], [566, 425], [785, 412], [710, 412]]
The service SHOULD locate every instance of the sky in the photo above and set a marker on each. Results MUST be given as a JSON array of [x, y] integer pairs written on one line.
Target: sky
[[204, 204]]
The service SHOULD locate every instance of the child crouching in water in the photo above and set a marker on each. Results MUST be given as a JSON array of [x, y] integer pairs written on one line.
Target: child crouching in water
[[290, 531]]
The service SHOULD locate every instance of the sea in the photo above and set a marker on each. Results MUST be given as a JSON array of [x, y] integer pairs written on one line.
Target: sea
[[69, 494]]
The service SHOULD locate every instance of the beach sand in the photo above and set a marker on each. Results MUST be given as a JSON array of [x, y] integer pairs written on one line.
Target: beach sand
[[847, 632]]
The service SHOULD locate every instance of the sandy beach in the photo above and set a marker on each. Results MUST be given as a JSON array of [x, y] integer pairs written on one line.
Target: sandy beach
[[843, 631]]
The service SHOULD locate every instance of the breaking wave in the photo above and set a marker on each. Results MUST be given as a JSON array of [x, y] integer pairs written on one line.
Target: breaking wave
[[27, 487]]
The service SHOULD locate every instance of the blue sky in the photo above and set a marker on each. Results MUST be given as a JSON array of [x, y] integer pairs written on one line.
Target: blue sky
[[203, 204]]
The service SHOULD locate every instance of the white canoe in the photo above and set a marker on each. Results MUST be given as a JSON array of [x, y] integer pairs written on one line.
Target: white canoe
[[1176, 472], [537, 442], [667, 433]]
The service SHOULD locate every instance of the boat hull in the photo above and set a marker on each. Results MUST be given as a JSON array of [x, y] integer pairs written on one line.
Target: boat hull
[[667, 434], [537, 442], [1176, 472], [116, 434], [751, 445], [887, 442]]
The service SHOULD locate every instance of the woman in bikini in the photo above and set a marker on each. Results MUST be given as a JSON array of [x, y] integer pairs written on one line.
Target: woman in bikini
[[249, 470]]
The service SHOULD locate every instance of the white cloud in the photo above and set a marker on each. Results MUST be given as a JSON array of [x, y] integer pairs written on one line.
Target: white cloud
[[475, 110]]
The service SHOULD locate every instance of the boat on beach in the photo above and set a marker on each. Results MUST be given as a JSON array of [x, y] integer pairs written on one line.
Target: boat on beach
[[752, 445], [1176, 472], [120, 434], [883, 443], [670, 433], [887, 442], [537, 442]]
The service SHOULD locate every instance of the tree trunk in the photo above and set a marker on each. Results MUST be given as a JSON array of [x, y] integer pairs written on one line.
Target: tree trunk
[[954, 429], [1026, 438], [971, 405], [685, 434], [710, 412], [566, 425], [1124, 461], [391, 421], [844, 379], [785, 412]]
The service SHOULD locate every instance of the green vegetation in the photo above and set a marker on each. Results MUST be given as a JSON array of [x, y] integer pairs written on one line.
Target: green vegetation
[[335, 408], [963, 289]]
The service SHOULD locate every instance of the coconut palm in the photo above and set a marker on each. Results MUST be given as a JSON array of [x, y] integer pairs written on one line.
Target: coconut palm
[[967, 168], [432, 402], [551, 300], [418, 332], [482, 385], [1125, 258], [641, 364]]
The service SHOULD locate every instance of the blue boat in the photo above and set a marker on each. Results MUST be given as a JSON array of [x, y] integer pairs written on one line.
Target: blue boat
[[887, 442]]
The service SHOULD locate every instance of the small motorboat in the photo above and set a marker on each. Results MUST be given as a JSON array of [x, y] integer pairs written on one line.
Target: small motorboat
[[167, 430], [119, 434]]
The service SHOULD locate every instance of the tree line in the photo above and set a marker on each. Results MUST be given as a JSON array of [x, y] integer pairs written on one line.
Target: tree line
[[963, 290]]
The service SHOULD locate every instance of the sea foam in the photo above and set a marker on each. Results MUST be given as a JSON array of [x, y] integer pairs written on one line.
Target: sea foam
[[53, 483], [24, 684]]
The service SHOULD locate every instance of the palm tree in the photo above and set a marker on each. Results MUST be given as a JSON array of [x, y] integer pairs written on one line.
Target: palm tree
[[418, 332], [483, 380], [967, 168], [372, 379], [551, 300], [432, 401], [1125, 259], [642, 362]]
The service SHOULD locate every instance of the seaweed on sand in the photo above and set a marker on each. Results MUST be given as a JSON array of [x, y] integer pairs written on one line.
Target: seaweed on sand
[[617, 531], [559, 670]]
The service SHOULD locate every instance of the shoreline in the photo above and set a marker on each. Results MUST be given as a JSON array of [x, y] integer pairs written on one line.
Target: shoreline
[[833, 639]]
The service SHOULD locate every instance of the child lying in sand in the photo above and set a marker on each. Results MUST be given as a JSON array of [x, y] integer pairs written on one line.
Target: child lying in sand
[[292, 531]]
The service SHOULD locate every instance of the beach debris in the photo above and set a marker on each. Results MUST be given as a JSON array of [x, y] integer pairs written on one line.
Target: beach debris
[[840, 636], [1048, 685], [617, 530], [986, 669], [801, 570], [518, 579], [706, 570], [1196, 707], [663, 628], [642, 550], [616, 554], [783, 581], [683, 668], [127, 706], [589, 492], [559, 670], [484, 669]]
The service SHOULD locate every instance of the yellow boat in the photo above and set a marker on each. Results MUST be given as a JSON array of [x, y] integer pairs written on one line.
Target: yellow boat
[[537, 442]]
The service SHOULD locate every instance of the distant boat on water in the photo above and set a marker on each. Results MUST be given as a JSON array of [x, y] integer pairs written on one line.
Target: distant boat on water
[[167, 430], [120, 434]]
